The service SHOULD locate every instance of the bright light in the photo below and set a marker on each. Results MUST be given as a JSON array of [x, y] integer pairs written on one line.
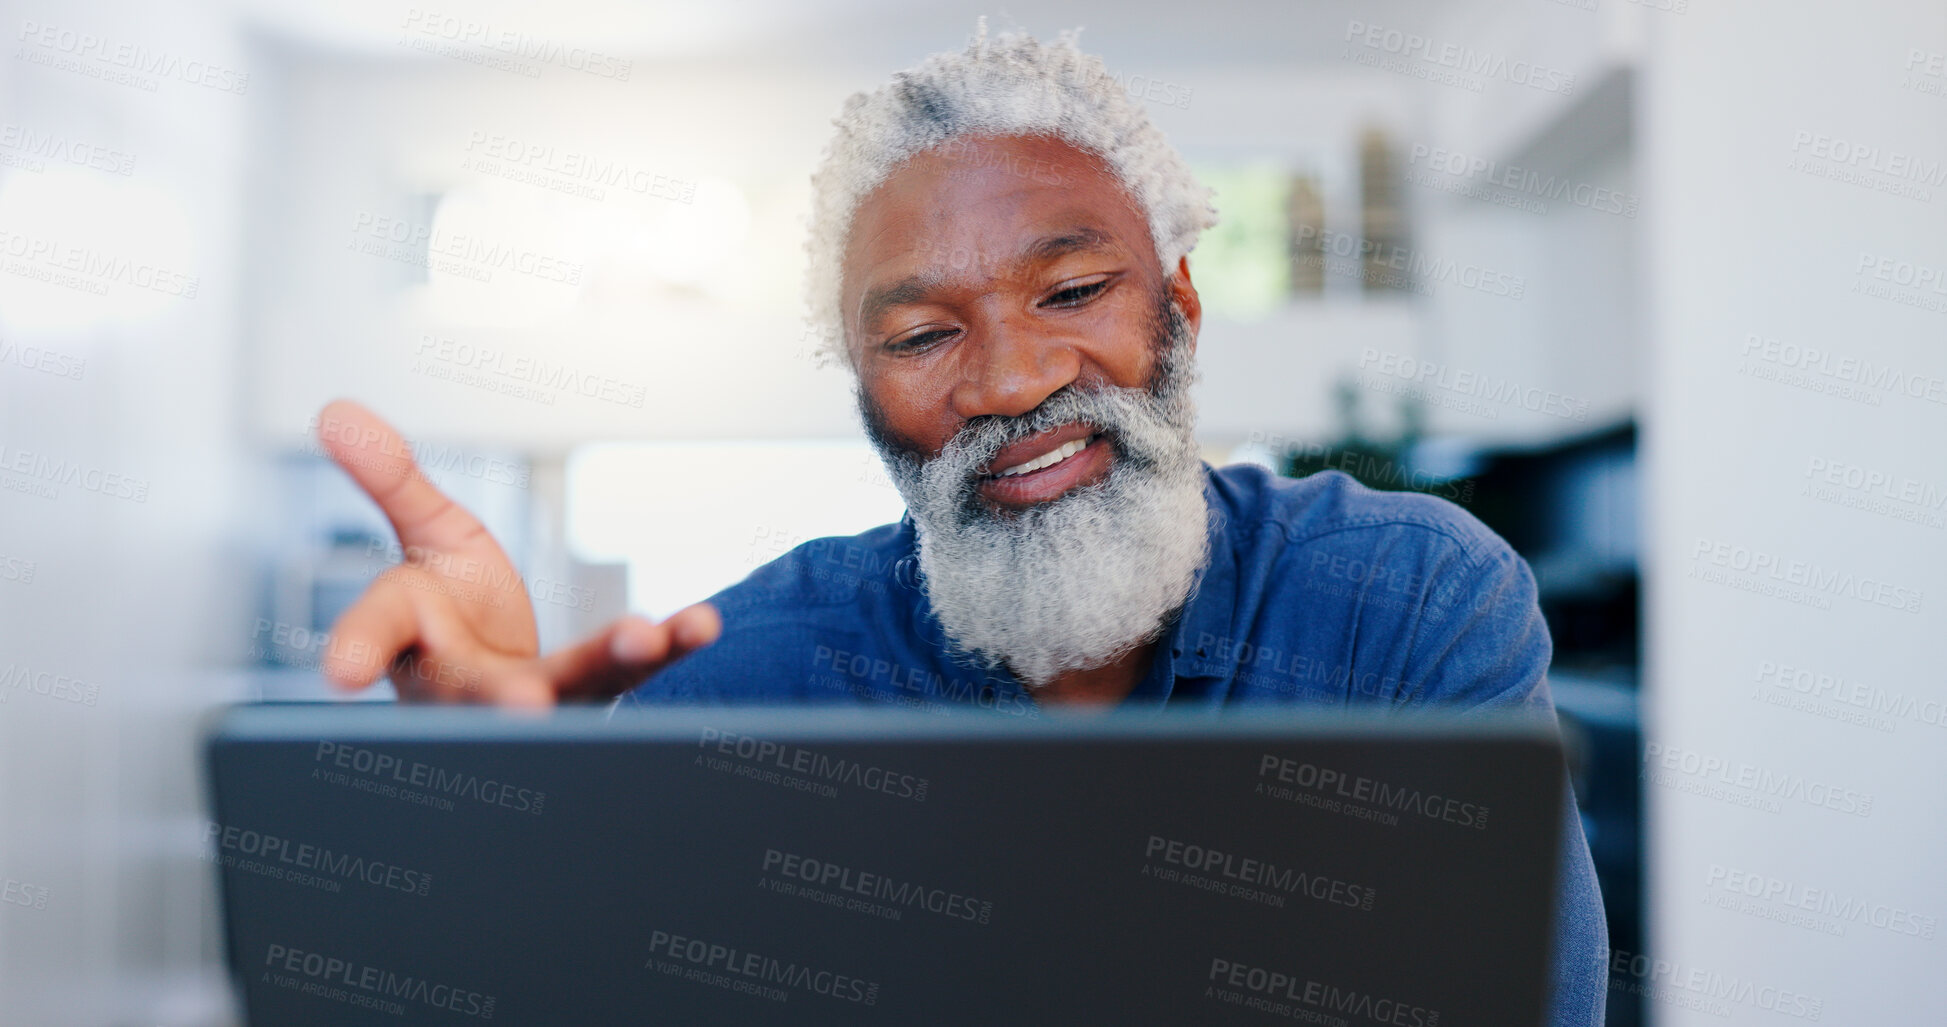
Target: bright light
[[500, 255], [651, 246], [507, 256]]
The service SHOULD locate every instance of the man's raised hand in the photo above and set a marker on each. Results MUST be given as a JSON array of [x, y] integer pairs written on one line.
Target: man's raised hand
[[453, 622]]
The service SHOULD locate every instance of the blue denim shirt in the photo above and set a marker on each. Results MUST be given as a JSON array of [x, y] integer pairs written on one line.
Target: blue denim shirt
[[1318, 591]]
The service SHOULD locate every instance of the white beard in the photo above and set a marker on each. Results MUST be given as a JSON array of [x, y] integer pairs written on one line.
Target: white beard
[[1077, 582]]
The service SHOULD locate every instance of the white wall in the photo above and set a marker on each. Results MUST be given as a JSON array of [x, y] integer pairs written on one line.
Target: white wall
[[128, 591], [1740, 243]]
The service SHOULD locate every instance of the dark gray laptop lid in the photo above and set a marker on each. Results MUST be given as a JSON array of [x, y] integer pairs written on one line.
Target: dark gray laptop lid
[[394, 865]]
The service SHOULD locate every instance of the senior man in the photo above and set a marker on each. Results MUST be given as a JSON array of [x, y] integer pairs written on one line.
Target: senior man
[[999, 255]]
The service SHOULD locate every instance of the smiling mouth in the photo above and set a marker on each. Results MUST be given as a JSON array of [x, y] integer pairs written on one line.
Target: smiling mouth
[[1052, 475], [1048, 459]]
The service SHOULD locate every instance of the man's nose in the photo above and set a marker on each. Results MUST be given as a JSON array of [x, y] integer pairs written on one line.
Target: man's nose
[[1011, 369]]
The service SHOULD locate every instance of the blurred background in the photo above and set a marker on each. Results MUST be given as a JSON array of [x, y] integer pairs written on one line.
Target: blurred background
[[1656, 289]]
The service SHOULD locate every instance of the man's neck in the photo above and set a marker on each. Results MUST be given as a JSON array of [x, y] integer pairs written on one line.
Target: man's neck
[[1100, 688]]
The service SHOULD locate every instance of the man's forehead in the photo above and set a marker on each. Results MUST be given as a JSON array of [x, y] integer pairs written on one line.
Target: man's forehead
[[1031, 239], [982, 180], [975, 148], [962, 194]]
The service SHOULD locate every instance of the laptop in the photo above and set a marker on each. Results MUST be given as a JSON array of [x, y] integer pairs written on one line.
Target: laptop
[[742, 865]]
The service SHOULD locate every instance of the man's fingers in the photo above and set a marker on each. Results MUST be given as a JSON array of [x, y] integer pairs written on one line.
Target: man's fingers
[[409, 626], [697, 626], [405, 626], [370, 635], [476, 676], [619, 656], [377, 458], [637, 641], [590, 667]]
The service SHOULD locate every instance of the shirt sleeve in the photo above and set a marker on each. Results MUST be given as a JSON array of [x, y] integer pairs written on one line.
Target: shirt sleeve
[[1481, 644]]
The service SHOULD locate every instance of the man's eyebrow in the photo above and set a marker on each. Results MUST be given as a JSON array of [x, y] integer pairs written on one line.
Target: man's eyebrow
[[1074, 240], [910, 289]]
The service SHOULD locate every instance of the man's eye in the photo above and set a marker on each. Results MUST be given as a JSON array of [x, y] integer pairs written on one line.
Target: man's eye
[[917, 342], [1075, 295]]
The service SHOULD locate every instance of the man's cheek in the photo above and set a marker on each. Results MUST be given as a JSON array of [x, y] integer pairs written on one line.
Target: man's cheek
[[888, 411]]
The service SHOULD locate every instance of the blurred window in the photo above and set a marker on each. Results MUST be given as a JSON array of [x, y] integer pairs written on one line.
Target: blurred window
[[690, 518]]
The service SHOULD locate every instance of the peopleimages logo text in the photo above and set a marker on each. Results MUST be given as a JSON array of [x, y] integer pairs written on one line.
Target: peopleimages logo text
[[1752, 785], [1289, 880], [1454, 57], [1523, 181], [91, 52], [515, 43], [1822, 902], [760, 968], [1318, 995], [1359, 788], [373, 985], [799, 760], [434, 779], [1505, 391], [1758, 563], [898, 893], [232, 844]]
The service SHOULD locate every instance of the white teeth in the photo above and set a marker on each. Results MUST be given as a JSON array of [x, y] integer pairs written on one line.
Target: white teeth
[[1054, 456]]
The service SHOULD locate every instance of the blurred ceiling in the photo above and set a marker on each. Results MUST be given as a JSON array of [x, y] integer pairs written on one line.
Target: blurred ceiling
[[872, 33]]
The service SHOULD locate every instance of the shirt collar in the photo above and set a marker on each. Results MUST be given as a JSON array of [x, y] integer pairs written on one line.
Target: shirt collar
[[1198, 641]]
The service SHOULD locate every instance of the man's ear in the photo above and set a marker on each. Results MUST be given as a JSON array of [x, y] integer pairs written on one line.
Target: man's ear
[[1185, 296]]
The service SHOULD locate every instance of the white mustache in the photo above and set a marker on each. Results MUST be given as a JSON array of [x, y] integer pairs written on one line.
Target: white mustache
[[1138, 423]]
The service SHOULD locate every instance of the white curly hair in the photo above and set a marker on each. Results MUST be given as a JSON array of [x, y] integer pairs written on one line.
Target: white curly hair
[[1011, 84]]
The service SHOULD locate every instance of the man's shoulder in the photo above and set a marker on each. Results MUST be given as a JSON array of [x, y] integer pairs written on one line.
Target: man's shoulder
[[1332, 510], [1424, 600]]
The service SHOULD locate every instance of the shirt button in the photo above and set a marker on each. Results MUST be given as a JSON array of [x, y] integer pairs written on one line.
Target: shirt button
[[906, 571], [987, 694]]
